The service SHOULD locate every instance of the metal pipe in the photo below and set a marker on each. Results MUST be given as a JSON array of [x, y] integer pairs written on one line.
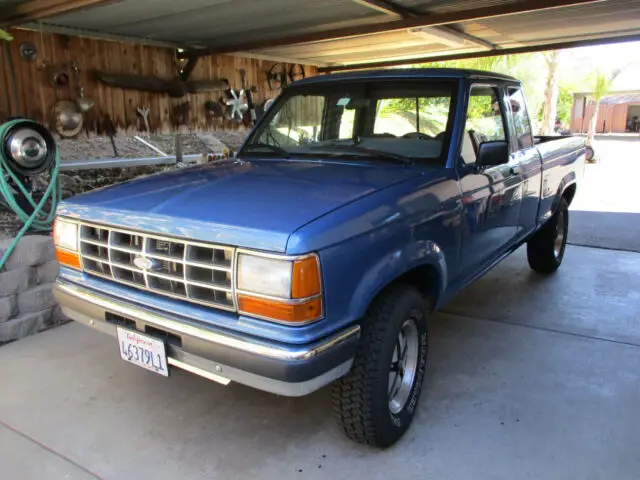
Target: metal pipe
[[97, 163], [150, 145]]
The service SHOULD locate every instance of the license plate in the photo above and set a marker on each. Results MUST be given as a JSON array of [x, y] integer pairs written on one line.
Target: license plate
[[144, 351]]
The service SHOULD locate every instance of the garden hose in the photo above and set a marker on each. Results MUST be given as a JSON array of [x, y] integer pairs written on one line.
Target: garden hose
[[27, 149]]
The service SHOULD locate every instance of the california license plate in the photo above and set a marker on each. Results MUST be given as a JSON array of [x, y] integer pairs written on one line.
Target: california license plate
[[144, 351]]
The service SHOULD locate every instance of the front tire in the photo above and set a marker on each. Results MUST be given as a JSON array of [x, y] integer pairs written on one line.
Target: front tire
[[375, 402], [545, 250]]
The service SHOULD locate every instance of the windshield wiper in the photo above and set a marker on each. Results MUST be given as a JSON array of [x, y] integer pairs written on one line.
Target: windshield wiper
[[274, 148], [368, 150]]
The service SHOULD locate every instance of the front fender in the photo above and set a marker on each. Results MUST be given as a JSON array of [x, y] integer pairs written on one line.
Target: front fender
[[368, 244], [390, 267]]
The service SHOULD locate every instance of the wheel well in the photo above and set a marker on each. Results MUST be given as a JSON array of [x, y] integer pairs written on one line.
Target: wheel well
[[569, 193], [425, 278]]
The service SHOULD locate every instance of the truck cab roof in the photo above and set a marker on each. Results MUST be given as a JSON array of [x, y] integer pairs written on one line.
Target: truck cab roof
[[406, 73]]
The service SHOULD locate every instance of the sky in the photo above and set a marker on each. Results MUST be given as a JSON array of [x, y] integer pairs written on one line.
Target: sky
[[579, 62]]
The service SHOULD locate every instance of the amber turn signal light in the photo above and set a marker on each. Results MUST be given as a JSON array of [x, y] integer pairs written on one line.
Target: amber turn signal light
[[68, 259], [282, 311], [305, 281]]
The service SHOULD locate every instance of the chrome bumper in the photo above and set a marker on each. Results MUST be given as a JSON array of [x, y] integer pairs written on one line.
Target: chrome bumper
[[291, 370]]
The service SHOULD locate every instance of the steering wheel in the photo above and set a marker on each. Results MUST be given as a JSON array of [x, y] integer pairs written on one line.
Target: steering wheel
[[417, 136]]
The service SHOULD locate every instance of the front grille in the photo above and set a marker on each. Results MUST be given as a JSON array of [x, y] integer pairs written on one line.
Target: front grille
[[196, 272]]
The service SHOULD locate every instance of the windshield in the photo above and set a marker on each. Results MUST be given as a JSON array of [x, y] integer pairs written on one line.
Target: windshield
[[396, 120]]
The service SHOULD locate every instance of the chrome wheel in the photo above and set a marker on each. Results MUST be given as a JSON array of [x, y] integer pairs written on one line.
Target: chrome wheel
[[560, 233], [404, 361]]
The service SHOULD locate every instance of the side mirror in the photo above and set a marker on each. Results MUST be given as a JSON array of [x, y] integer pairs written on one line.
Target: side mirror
[[493, 153]]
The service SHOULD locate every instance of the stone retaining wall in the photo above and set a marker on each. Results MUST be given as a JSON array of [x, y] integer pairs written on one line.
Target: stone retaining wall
[[26, 299]]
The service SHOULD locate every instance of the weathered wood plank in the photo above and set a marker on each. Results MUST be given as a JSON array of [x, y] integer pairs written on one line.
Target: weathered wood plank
[[37, 95]]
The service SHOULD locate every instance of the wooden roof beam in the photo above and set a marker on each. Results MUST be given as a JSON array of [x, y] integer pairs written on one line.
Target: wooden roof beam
[[421, 20], [391, 8], [36, 10], [388, 7]]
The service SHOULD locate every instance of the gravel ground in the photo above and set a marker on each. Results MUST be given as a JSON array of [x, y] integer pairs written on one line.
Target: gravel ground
[[75, 182], [83, 148]]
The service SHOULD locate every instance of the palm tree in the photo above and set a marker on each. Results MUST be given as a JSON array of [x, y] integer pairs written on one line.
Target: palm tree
[[551, 92], [497, 63], [601, 86]]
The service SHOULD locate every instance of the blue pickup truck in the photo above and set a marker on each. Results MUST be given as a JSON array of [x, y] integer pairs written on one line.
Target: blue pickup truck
[[358, 205]]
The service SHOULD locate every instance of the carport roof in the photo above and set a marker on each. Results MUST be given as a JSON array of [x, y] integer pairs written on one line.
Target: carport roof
[[335, 32]]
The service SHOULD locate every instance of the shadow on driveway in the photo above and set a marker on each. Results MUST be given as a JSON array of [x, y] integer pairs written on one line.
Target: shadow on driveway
[[612, 230]]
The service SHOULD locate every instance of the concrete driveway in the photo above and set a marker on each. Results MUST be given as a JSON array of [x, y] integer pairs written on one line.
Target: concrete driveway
[[530, 377], [606, 211]]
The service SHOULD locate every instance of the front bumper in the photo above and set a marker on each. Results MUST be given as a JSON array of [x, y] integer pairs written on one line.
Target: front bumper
[[291, 370]]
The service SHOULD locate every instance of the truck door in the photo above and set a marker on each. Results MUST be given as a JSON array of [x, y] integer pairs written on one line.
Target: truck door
[[490, 196], [528, 157]]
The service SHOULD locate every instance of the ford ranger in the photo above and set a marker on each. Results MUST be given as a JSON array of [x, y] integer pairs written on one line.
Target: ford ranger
[[358, 205]]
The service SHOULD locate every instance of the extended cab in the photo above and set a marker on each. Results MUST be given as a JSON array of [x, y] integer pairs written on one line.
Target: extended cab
[[359, 204]]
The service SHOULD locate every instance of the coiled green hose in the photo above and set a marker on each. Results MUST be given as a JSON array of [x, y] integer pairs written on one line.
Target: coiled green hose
[[40, 219]]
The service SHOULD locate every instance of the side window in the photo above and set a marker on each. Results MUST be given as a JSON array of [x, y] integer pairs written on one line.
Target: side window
[[297, 123], [520, 118], [484, 122]]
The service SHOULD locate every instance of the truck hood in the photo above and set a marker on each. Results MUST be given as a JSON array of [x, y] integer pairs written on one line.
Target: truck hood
[[248, 204]]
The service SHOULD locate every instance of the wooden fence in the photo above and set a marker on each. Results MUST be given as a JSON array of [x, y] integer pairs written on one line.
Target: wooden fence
[[36, 94]]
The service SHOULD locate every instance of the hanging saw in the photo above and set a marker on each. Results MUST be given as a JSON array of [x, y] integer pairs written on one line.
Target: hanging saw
[[174, 87]]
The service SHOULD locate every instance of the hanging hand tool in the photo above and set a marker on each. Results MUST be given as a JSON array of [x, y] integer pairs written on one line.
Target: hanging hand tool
[[144, 113]]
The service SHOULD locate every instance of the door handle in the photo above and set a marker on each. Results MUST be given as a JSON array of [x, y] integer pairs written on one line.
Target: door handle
[[515, 170]]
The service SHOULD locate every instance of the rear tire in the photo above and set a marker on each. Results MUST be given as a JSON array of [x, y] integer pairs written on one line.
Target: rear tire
[[545, 250], [375, 402]]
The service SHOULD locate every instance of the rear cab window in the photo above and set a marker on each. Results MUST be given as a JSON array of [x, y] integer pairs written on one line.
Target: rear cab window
[[520, 118]]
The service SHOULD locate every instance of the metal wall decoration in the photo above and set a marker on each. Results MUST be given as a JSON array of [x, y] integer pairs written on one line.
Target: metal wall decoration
[[278, 77], [236, 105], [58, 76], [174, 87], [213, 109], [28, 51], [296, 72], [67, 118]]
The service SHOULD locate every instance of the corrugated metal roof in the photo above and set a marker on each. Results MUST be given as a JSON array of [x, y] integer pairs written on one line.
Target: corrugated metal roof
[[224, 23], [218, 22]]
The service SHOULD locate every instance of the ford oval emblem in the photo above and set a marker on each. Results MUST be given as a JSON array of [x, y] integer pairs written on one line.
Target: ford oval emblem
[[144, 263]]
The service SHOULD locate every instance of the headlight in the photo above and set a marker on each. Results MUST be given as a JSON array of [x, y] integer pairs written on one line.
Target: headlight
[[277, 288], [65, 238], [28, 147], [267, 276]]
